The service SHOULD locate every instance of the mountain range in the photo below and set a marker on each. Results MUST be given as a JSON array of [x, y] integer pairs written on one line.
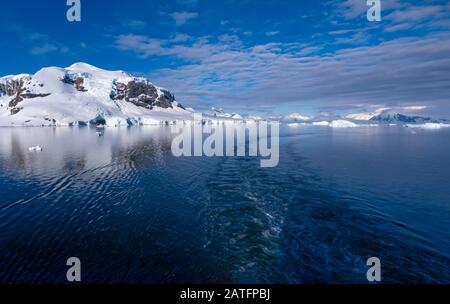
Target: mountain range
[[404, 119], [82, 94]]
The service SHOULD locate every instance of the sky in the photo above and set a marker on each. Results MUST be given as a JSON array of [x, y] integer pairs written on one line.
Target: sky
[[257, 57]]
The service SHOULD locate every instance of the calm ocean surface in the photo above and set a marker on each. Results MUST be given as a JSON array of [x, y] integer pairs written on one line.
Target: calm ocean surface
[[134, 213]]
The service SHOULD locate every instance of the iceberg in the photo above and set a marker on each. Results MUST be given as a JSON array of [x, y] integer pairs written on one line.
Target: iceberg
[[35, 149], [342, 124], [321, 123], [296, 124]]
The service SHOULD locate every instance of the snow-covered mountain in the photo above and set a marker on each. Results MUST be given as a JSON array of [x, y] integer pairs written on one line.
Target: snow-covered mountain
[[403, 119], [296, 117], [83, 94], [366, 116], [220, 113]]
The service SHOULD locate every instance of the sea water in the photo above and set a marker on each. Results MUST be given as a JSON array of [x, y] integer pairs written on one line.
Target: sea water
[[133, 212]]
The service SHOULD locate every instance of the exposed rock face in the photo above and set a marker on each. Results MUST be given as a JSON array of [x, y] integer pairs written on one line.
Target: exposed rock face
[[142, 94], [17, 89], [21, 97], [13, 86], [79, 84], [15, 110], [165, 100], [76, 80]]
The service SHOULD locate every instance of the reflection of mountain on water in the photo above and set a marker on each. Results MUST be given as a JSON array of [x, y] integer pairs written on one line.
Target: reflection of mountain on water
[[69, 149], [143, 150]]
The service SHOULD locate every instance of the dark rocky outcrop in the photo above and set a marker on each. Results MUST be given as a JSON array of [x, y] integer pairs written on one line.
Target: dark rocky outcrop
[[98, 121], [16, 89], [12, 87], [165, 100], [74, 80], [142, 94], [15, 110], [79, 84], [19, 97]]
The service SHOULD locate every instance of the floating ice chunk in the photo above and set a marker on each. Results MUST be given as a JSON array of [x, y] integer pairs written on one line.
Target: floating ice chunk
[[99, 134], [430, 126], [296, 124], [35, 149], [342, 124], [321, 123]]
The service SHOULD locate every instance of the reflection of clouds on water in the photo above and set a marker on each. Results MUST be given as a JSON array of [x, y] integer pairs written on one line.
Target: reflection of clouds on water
[[147, 146]]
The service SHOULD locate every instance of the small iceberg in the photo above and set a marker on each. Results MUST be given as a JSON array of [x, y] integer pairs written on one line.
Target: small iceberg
[[342, 124], [35, 149], [429, 126], [296, 124], [321, 123], [99, 134]]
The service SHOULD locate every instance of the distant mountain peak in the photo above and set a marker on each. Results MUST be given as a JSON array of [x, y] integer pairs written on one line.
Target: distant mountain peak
[[401, 118], [296, 117], [82, 65]]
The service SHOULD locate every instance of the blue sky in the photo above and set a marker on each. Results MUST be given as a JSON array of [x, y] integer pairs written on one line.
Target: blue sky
[[258, 57]]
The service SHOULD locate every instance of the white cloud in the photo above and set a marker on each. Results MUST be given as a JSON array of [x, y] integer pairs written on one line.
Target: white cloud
[[181, 18], [393, 72], [134, 24], [272, 33], [410, 17], [414, 13], [415, 108], [181, 38], [44, 49], [410, 70]]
